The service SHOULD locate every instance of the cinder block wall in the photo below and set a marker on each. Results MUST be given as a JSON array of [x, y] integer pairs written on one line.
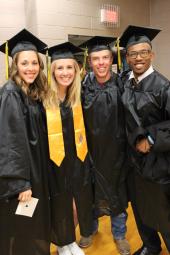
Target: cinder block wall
[[59, 18], [12, 19], [53, 20], [160, 17]]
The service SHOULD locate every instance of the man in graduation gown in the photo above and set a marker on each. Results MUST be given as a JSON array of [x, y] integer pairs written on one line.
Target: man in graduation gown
[[146, 99], [104, 120]]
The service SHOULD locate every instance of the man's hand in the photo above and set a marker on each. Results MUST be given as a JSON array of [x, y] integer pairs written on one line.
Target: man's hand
[[143, 146]]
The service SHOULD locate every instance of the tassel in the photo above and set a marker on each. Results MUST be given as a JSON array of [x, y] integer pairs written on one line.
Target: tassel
[[48, 68], [6, 61], [119, 61]]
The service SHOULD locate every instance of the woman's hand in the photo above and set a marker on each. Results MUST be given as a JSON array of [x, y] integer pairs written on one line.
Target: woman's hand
[[25, 196], [143, 146]]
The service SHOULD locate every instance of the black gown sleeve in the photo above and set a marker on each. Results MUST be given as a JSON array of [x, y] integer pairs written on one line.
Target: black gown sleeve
[[14, 146], [160, 132]]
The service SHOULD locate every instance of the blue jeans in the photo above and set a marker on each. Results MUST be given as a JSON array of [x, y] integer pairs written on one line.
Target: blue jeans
[[118, 225]]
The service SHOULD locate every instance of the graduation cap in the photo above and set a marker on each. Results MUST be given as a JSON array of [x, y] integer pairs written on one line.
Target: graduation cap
[[135, 34], [63, 51], [98, 43], [22, 41]]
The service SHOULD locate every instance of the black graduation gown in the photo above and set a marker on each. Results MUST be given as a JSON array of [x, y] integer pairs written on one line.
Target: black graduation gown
[[71, 180], [147, 109], [104, 121], [24, 160]]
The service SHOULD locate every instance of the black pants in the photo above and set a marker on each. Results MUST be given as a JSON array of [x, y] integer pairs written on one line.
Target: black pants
[[149, 236]]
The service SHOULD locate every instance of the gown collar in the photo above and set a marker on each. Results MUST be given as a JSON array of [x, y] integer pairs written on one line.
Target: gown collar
[[144, 75]]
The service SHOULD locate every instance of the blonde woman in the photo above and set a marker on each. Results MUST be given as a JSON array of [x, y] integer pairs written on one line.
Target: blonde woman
[[24, 153], [70, 162]]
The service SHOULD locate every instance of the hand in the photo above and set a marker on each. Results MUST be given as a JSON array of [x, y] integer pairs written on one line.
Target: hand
[[143, 146], [25, 196]]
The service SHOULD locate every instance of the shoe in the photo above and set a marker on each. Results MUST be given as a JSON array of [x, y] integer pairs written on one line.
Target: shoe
[[86, 242], [75, 249], [144, 251], [122, 246], [63, 250]]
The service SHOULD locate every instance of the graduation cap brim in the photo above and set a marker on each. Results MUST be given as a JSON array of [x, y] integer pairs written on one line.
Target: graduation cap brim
[[65, 50], [23, 41], [98, 43], [135, 34]]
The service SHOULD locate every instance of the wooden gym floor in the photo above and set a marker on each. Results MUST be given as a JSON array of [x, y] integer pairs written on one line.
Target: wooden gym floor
[[103, 243]]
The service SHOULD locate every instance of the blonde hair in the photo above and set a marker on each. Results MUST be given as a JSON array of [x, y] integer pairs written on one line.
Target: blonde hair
[[38, 90], [73, 91]]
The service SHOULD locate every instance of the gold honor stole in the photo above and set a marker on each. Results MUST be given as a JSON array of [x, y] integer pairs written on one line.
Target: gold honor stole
[[55, 134]]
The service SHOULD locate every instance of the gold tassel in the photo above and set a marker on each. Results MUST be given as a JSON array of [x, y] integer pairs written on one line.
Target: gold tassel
[[119, 61], [48, 68], [83, 69], [6, 61]]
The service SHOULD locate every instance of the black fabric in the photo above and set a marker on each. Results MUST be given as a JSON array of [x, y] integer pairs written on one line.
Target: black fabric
[[159, 203], [135, 34], [17, 246], [147, 110], [144, 251], [98, 43], [104, 120], [63, 51], [149, 236], [147, 232], [71, 180], [24, 160], [23, 41]]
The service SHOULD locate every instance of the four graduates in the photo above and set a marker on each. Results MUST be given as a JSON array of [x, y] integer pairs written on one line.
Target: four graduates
[[44, 151]]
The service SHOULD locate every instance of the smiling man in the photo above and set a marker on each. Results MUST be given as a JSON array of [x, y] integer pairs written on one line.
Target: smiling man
[[104, 121], [146, 100]]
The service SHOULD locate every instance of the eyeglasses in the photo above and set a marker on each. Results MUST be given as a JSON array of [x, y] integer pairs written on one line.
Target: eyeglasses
[[142, 54]]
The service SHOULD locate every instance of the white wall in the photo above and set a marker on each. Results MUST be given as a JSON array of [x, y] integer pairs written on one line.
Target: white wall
[[12, 19], [53, 20], [62, 17], [160, 18]]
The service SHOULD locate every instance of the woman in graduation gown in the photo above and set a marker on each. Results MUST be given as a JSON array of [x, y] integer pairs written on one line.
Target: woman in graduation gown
[[146, 99], [70, 164], [24, 150]]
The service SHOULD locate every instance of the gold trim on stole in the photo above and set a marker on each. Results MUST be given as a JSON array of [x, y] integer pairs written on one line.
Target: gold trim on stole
[[55, 134], [80, 133]]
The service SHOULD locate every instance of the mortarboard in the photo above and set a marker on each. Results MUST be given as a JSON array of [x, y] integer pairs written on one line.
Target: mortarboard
[[135, 34], [23, 41], [98, 43], [63, 51]]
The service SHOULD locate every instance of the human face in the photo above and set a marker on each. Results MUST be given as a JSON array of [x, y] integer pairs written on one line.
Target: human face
[[101, 62], [64, 72], [28, 66], [139, 58]]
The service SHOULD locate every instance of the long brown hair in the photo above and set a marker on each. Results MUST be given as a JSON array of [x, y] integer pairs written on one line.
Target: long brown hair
[[38, 90], [73, 92]]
